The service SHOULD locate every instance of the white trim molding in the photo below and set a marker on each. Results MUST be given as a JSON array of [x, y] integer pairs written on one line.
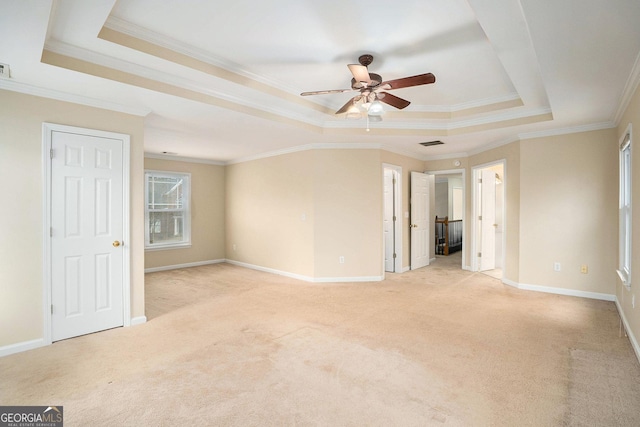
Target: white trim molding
[[559, 291], [139, 320], [628, 330], [308, 278], [186, 265], [21, 346]]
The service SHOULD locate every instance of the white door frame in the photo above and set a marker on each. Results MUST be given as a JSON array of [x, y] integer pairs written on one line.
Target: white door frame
[[474, 179], [462, 172], [47, 130], [399, 218]]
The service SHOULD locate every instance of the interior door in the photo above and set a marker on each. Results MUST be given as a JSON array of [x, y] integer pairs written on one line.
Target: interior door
[[388, 220], [420, 224], [87, 261], [487, 259]]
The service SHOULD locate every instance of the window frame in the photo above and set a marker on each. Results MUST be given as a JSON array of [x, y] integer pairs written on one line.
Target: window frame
[[186, 210], [625, 219]]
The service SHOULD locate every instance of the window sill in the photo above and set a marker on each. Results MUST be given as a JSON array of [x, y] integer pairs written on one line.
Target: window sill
[[624, 279], [167, 247]]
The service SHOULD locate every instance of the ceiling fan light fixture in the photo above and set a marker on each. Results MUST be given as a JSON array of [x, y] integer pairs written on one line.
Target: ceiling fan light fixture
[[374, 118], [376, 109], [353, 112]]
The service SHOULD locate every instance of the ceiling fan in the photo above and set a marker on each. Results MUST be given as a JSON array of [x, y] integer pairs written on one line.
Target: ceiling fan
[[373, 90]]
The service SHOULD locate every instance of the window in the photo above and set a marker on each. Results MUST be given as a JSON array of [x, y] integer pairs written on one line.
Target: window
[[167, 214], [624, 268]]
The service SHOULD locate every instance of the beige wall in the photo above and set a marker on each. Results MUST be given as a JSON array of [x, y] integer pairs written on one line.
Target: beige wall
[[21, 275], [632, 115], [270, 213], [207, 215], [348, 213], [300, 212], [568, 210]]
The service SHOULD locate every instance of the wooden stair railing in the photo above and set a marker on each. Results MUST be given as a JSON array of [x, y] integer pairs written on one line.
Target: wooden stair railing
[[448, 236]]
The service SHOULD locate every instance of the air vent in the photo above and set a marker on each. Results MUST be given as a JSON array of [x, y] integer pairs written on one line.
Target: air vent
[[430, 143]]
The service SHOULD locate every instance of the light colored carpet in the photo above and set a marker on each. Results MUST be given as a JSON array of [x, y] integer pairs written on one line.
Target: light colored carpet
[[438, 346]]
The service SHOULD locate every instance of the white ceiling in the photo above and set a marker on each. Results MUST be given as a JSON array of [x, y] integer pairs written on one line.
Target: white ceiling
[[220, 80]]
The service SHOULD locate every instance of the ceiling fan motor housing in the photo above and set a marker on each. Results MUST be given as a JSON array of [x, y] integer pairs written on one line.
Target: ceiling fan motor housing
[[365, 59], [375, 81]]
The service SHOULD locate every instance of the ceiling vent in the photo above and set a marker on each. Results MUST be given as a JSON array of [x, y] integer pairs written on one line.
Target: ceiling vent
[[4, 70], [430, 143]]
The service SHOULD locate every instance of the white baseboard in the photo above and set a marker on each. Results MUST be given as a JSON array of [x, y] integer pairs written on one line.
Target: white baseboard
[[307, 278], [348, 279], [139, 320], [20, 347], [628, 330], [30, 345], [560, 291], [187, 265]]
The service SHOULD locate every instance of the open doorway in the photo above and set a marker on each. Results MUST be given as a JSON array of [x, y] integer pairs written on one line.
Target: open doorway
[[449, 216], [489, 182]]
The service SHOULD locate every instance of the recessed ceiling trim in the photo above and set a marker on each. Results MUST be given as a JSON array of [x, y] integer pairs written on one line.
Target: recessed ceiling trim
[[441, 114], [567, 130], [139, 70], [71, 63], [468, 105], [179, 54], [447, 128], [28, 89]]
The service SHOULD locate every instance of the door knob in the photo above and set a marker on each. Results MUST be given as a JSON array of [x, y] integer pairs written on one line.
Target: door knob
[[116, 243]]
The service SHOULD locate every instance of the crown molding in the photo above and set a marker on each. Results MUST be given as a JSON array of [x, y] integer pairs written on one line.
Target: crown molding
[[157, 76], [307, 147], [493, 145], [125, 27], [456, 108], [172, 158], [460, 155], [630, 88], [394, 149], [566, 130], [28, 89]]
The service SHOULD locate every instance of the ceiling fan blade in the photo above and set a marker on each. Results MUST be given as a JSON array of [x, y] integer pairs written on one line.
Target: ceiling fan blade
[[349, 103], [393, 100], [420, 79], [360, 73], [323, 92]]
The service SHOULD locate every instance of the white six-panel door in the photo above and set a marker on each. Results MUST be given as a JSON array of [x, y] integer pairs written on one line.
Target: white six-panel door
[[420, 224], [487, 259], [87, 261]]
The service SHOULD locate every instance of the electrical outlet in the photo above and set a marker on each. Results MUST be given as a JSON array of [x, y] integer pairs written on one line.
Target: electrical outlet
[[557, 266], [234, 246], [341, 260], [584, 269]]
